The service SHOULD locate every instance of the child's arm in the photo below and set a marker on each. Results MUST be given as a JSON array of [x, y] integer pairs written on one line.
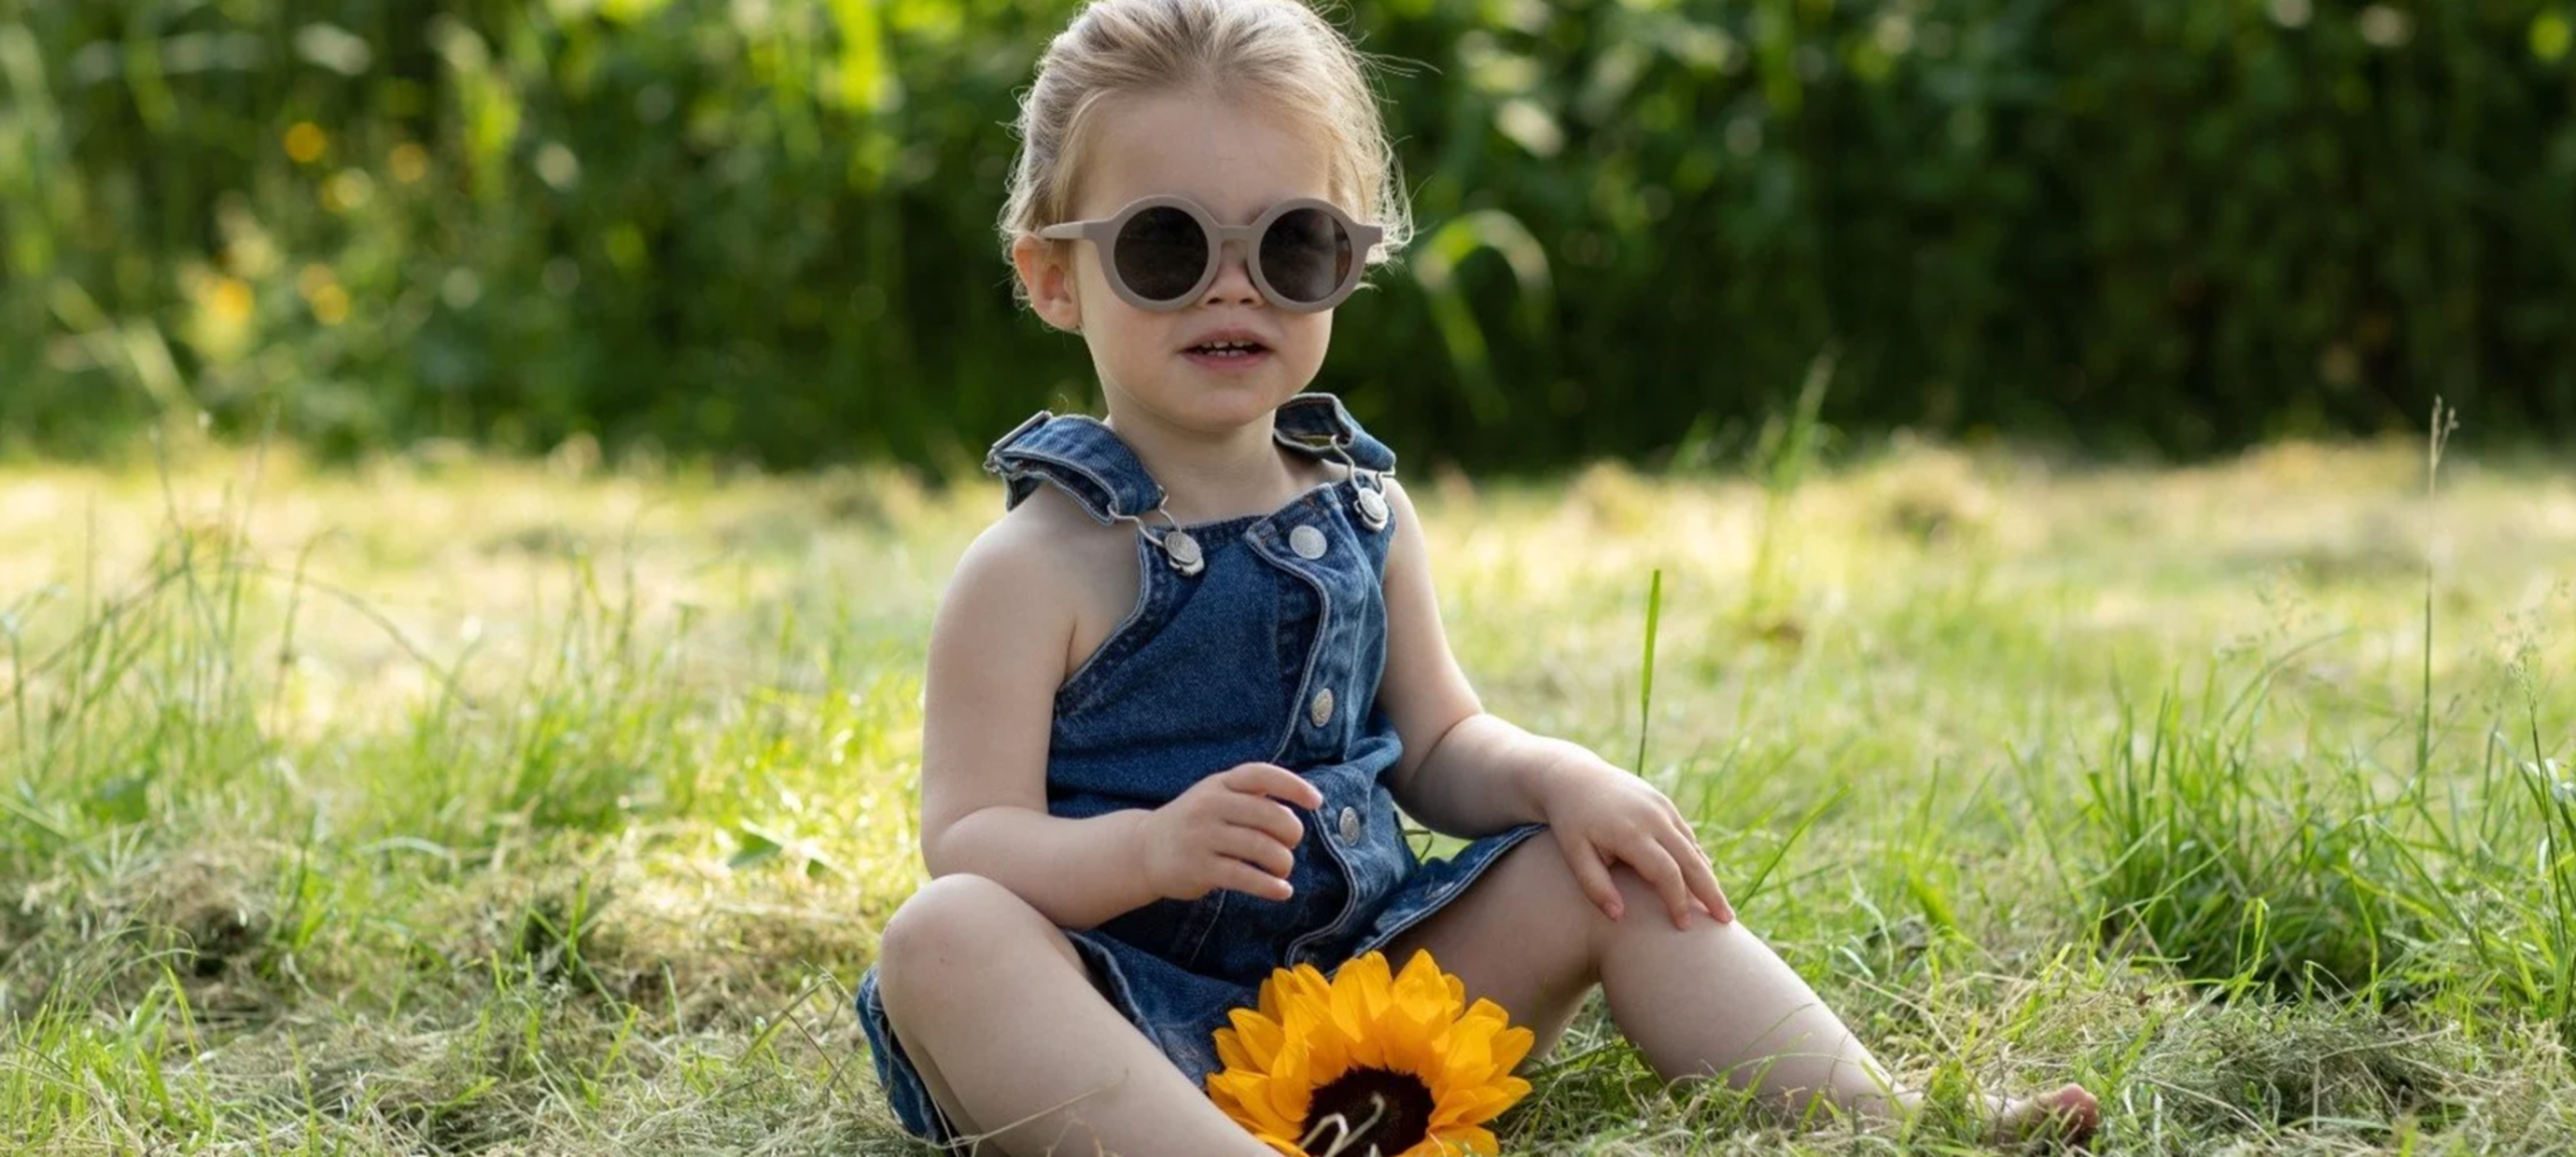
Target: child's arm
[[1464, 772], [1467, 772], [997, 652]]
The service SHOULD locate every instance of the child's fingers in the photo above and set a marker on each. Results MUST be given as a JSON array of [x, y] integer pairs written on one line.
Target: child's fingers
[[1590, 873], [1715, 897], [1275, 781], [1249, 880], [1263, 814], [1703, 879], [1656, 863], [1257, 848]]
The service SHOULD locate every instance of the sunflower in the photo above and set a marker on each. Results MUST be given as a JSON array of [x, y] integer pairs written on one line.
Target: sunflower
[[1366, 1063]]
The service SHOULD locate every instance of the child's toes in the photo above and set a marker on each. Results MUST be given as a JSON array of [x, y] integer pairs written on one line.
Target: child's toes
[[2067, 1115]]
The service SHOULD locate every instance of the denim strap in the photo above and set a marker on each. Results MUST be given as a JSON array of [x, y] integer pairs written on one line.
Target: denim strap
[[1317, 425], [1083, 458]]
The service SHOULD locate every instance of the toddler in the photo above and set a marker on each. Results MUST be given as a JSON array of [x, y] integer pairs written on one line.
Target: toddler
[[1177, 693]]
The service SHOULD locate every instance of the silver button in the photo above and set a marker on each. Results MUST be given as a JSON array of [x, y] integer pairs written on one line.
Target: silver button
[[1184, 552], [1321, 709], [1373, 510], [1307, 541], [1350, 825]]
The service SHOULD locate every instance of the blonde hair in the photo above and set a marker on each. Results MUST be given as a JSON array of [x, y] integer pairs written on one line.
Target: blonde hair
[[1280, 52]]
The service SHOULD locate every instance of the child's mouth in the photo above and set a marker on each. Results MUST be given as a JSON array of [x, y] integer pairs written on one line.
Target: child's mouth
[[1228, 354]]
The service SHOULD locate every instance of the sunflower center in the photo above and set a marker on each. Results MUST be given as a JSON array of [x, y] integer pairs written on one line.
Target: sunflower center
[[1378, 1112]]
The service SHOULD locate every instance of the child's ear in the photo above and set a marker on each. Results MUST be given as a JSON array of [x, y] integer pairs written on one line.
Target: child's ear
[[1046, 271]]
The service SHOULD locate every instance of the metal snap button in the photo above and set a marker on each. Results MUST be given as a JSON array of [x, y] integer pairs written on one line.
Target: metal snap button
[[1307, 541], [1350, 825], [1184, 552], [1320, 710], [1373, 510]]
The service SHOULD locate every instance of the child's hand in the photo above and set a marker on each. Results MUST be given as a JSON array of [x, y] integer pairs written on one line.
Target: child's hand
[[1602, 816], [1229, 830]]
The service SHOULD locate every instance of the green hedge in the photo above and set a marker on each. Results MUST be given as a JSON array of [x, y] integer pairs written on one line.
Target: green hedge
[[763, 227]]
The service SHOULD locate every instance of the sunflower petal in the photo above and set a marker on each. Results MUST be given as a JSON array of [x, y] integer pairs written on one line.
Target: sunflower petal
[[1290, 1088], [1277, 991], [1350, 995], [1246, 1098], [1377, 987], [1230, 1051], [1421, 972], [1260, 1036], [1470, 1059], [1220, 1089], [1230, 1092], [1468, 1139], [1510, 1045], [1481, 1104]]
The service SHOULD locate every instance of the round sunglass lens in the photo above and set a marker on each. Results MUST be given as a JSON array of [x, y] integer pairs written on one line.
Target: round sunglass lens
[[1161, 253], [1306, 255]]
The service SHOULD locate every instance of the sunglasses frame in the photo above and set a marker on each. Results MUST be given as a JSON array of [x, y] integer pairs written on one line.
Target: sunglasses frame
[[1103, 235]]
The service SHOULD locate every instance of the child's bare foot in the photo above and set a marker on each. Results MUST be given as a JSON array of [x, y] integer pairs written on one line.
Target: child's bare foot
[[2067, 1115]]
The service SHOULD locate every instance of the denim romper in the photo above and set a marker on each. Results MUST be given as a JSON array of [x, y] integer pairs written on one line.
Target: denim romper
[[1253, 639]]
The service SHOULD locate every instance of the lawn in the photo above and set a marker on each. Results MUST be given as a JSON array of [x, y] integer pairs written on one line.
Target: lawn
[[453, 805]]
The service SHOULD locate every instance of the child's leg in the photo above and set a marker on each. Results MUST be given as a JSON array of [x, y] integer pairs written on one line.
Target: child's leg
[[1707, 998], [997, 1011]]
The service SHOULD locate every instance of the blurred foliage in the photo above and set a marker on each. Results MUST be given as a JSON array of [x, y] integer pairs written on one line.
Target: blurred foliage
[[764, 227]]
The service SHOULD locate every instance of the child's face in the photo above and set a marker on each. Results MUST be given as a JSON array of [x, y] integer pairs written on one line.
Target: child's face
[[1236, 161]]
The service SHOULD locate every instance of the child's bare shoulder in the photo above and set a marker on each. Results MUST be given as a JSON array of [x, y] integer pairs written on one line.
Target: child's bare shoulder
[[1059, 566]]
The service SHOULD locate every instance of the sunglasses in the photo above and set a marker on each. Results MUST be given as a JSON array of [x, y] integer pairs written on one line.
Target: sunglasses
[[1161, 253]]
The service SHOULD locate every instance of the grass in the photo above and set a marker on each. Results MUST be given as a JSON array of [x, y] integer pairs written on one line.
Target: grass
[[463, 806]]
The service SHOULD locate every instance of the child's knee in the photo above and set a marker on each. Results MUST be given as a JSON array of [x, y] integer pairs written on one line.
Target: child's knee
[[1545, 891], [955, 917]]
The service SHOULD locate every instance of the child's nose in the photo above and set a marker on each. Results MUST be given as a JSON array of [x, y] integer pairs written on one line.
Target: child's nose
[[1233, 284]]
